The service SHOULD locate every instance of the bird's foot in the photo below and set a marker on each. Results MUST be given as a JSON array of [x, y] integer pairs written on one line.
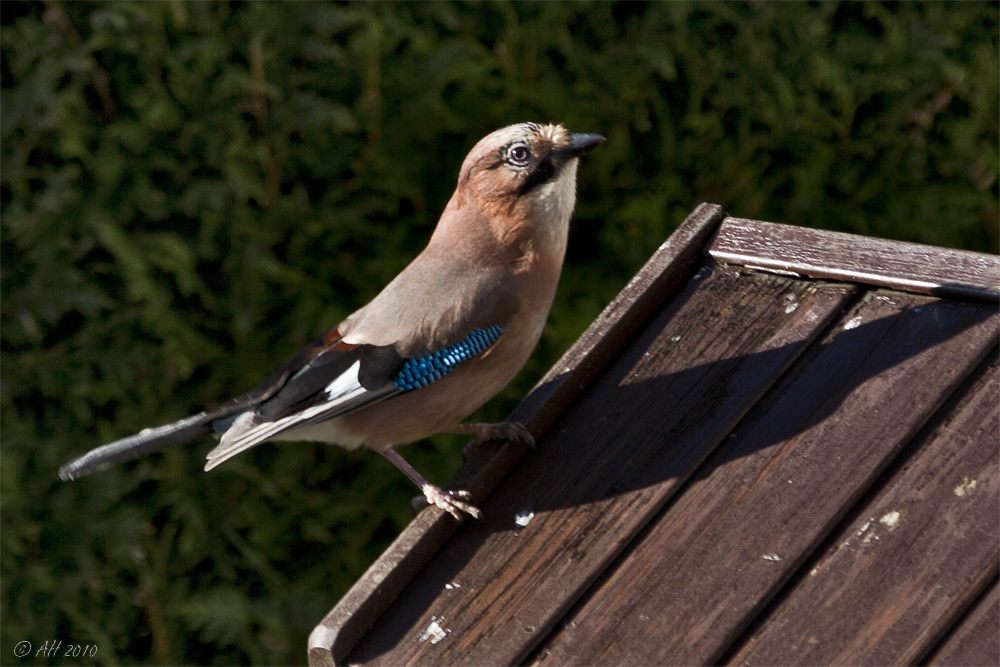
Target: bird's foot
[[452, 502], [511, 431]]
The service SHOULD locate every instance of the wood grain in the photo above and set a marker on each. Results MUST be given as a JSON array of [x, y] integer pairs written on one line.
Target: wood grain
[[607, 466], [909, 267], [976, 639], [916, 556], [778, 485], [668, 268]]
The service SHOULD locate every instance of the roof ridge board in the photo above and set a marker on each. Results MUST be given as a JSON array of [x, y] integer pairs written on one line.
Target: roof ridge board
[[901, 265]]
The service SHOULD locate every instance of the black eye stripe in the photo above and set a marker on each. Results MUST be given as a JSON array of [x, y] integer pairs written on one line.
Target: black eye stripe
[[541, 174]]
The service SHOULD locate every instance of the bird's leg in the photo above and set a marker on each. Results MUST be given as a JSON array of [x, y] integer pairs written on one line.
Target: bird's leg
[[451, 502], [512, 431]]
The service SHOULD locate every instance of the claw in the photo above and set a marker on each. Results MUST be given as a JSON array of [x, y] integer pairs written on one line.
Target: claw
[[510, 431], [451, 502]]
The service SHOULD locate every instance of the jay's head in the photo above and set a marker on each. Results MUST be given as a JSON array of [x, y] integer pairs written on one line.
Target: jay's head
[[525, 171]]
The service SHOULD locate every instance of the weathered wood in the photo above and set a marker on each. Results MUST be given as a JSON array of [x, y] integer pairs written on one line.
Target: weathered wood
[[641, 299], [341, 628], [915, 557], [495, 591], [976, 640], [638, 302], [604, 469], [910, 267], [784, 479]]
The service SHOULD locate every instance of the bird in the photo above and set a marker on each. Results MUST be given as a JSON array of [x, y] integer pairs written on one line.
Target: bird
[[441, 339]]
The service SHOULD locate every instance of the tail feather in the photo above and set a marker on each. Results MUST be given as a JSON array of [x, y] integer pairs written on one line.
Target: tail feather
[[145, 442], [245, 436], [218, 420]]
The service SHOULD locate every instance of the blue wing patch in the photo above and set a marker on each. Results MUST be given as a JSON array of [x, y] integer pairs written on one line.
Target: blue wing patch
[[421, 371], [343, 394]]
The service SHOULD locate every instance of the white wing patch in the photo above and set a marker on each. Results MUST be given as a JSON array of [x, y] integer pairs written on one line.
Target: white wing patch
[[345, 392], [346, 382]]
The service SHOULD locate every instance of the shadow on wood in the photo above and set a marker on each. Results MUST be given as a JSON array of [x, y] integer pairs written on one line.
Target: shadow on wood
[[709, 435], [663, 415]]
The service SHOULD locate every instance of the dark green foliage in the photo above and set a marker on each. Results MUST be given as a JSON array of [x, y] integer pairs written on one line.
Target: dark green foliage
[[191, 191]]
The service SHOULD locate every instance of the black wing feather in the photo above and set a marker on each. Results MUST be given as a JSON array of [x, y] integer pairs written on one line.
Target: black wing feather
[[378, 367], [191, 428]]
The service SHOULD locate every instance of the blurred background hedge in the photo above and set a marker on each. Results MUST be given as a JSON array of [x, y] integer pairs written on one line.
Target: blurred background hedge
[[190, 191]]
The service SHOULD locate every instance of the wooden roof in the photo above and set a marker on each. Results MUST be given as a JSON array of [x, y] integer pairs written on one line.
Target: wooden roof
[[776, 446]]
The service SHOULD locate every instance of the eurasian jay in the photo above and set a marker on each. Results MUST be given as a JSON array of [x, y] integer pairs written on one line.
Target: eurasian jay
[[440, 340]]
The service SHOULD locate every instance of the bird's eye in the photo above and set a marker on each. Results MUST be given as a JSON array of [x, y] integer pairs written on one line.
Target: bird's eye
[[518, 154]]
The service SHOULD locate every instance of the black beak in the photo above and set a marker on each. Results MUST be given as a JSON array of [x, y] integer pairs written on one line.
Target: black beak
[[580, 143]]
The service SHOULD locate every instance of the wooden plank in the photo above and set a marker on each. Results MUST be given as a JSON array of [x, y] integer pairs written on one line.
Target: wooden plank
[[639, 301], [603, 470], [976, 640], [778, 485], [909, 267], [668, 268], [916, 556]]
